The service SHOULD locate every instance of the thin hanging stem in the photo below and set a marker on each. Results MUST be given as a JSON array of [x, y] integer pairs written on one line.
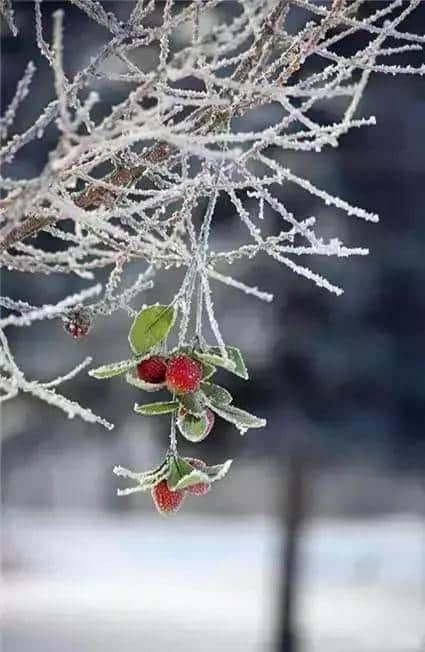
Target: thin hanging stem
[[173, 436], [199, 310]]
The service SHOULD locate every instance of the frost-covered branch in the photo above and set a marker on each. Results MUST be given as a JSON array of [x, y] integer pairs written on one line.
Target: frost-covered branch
[[132, 185]]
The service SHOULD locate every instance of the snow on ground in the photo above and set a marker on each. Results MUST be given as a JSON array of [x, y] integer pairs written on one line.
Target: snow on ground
[[91, 583]]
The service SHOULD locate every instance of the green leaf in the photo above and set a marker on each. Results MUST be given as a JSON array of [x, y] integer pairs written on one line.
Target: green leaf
[[216, 393], [218, 471], [112, 369], [214, 359], [241, 419], [183, 475], [162, 407], [150, 326], [195, 477], [239, 367], [142, 384], [145, 480], [208, 370], [178, 469], [193, 402], [193, 428], [233, 363]]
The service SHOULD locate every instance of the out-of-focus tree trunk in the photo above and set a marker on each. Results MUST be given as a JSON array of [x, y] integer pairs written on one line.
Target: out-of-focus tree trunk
[[292, 515]]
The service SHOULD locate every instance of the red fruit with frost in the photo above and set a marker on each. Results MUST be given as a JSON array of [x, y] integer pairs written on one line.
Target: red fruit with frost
[[152, 370], [183, 374], [202, 487], [77, 322], [166, 501]]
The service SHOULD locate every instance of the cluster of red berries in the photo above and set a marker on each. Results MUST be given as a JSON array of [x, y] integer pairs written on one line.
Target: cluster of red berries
[[167, 501], [77, 322], [180, 373], [185, 372]]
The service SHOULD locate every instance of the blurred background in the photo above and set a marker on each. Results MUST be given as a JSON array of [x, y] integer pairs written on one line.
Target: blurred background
[[315, 542]]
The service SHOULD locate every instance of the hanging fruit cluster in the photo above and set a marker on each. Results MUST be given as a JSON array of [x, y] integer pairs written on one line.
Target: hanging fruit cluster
[[186, 372], [77, 322]]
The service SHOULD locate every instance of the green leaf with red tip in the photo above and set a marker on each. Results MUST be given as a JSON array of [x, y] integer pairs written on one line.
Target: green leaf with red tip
[[216, 393], [162, 407], [241, 419], [193, 428], [193, 402], [112, 369], [142, 384], [150, 326]]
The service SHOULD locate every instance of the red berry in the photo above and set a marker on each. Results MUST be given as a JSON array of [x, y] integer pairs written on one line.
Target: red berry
[[165, 500], [77, 322], [202, 487], [183, 374], [152, 370]]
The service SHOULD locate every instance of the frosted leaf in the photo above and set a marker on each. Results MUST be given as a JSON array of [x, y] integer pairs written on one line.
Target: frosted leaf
[[193, 402], [192, 428], [132, 379], [183, 474], [145, 480], [232, 359], [240, 418], [235, 357], [162, 407], [193, 478], [112, 369], [216, 393], [150, 326]]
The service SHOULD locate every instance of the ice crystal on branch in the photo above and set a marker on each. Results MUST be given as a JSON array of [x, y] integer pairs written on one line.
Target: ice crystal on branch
[[142, 182]]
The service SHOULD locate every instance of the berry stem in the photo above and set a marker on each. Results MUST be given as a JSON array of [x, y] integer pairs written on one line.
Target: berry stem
[[185, 299], [199, 306], [173, 438]]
